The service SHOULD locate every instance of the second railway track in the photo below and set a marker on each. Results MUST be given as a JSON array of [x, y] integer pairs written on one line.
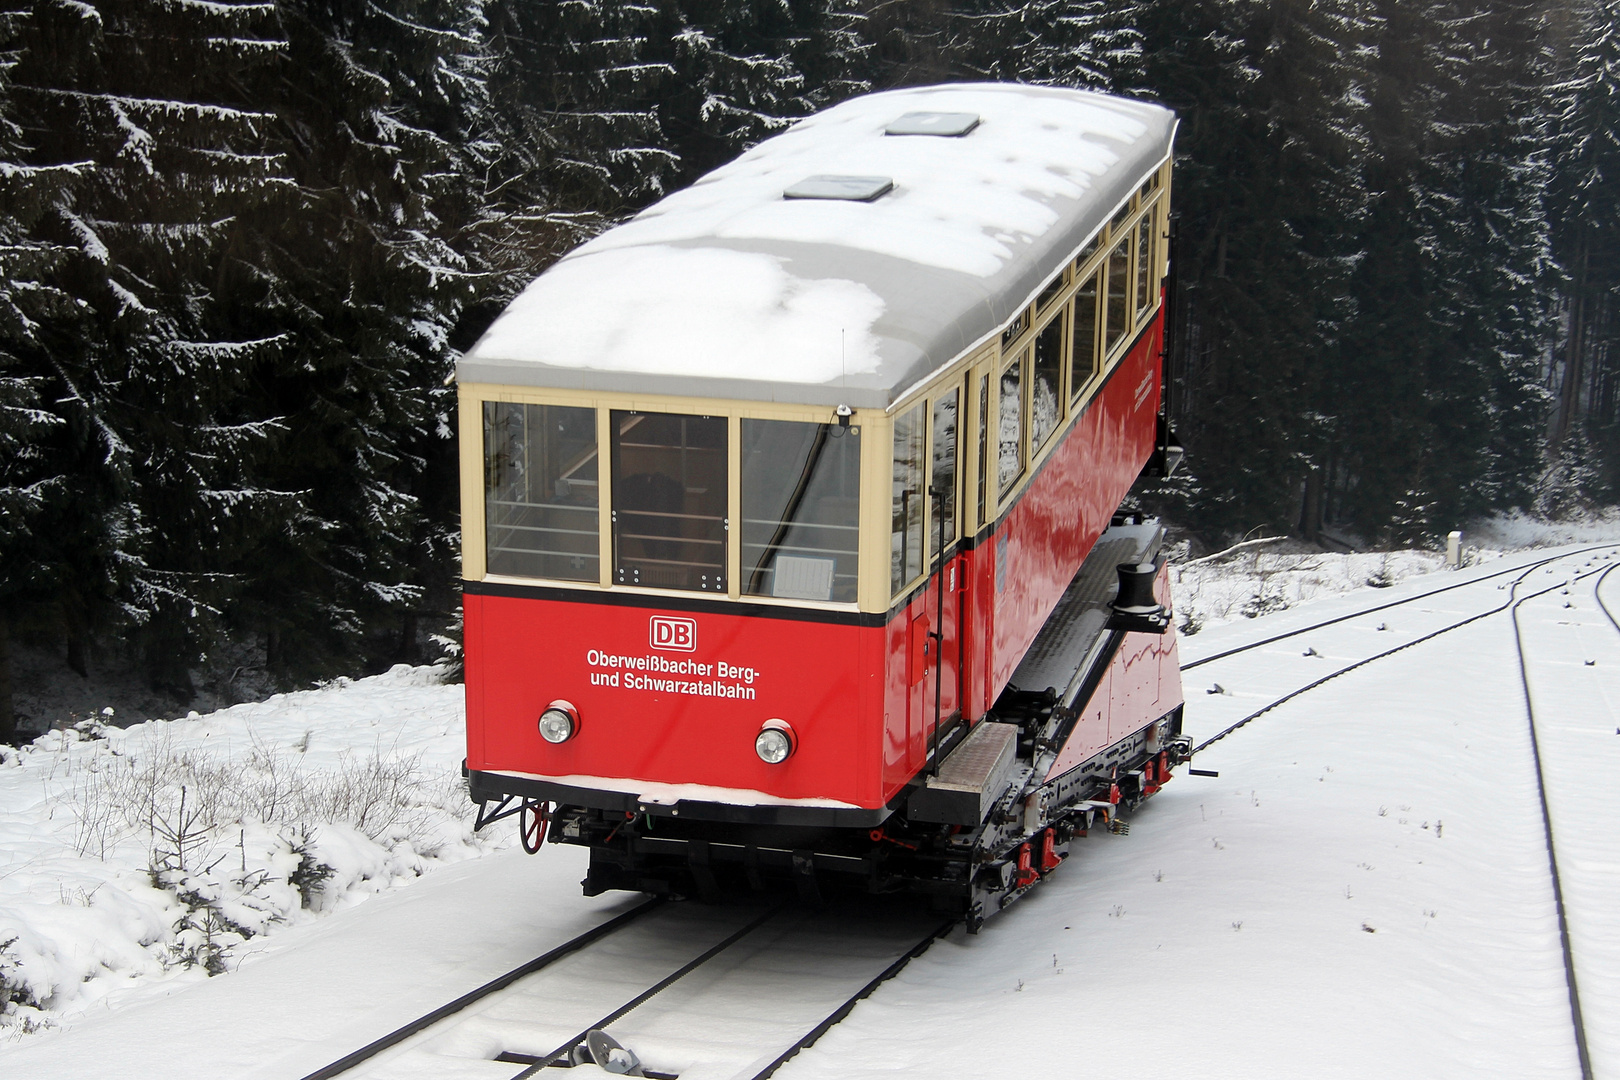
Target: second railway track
[[1519, 587], [1569, 712], [1523, 586]]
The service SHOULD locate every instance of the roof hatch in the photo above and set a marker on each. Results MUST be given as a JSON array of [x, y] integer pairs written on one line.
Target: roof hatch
[[848, 188], [953, 124]]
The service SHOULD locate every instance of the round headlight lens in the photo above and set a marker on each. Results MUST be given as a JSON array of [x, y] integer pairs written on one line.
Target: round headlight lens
[[773, 745], [557, 724]]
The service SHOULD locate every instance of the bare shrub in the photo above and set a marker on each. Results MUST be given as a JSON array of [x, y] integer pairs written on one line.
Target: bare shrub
[[188, 808]]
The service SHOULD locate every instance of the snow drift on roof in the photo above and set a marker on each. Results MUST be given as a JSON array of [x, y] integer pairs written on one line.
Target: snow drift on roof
[[728, 289]]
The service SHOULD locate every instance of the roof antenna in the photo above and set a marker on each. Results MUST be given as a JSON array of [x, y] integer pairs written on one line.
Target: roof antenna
[[843, 376]]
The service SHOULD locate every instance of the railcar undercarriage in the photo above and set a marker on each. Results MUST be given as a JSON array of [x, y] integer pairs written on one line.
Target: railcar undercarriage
[[974, 833], [968, 870]]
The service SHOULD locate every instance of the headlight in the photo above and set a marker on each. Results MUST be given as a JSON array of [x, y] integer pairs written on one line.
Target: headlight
[[559, 723], [774, 743]]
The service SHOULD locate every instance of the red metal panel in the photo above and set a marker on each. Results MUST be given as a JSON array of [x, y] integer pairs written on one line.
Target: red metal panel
[[1091, 731], [472, 651], [676, 714], [896, 750], [1135, 686], [917, 655], [1053, 526], [1170, 692]]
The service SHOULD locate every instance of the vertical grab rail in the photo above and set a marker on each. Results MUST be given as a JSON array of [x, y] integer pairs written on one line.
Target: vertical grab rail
[[938, 632]]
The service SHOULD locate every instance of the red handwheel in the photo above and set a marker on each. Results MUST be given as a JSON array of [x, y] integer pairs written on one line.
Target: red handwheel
[[532, 821]]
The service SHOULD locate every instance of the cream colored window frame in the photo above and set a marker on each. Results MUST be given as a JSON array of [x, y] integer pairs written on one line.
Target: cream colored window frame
[[1140, 206], [470, 407]]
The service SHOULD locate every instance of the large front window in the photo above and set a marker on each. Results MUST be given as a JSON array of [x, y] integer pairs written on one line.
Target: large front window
[[669, 500], [801, 509], [540, 491], [722, 505]]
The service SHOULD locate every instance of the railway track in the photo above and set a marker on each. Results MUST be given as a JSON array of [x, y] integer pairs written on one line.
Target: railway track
[[810, 968], [1520, 592], [1533, 719], [1523, 574]]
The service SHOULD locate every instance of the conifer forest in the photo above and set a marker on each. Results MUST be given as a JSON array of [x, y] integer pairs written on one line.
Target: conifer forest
[[243, 242]]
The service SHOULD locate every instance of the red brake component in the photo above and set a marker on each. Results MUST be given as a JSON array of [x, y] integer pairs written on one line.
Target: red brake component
[[532, 821], [1049, 856], [1026, 873], [1156, 773]]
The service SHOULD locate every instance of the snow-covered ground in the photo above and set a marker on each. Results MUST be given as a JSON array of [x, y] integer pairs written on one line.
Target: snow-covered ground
[[132, 858], [1259, 580], [1363, 891]]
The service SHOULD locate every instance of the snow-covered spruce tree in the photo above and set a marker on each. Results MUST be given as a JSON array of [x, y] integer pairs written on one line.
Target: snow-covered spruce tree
[[1268, 190], [574, 111], [1085, 43], [32, 436], [1440, 410], [837, 55], [378, 109], [736, 81], [148, 365], [910, 42], [1584, 205]]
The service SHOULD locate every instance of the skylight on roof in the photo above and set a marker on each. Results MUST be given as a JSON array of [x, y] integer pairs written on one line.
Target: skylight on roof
[[848, 188], [953, 124]]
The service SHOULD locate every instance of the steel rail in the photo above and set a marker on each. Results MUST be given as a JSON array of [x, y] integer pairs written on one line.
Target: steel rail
[[1392, 604], [646, 995], [427, 1020], [1597, 594], [1512, 599], [847, 1006], [1577, 1018]]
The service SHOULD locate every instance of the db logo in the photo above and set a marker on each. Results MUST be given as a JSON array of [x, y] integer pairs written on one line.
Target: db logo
[[676, 635]]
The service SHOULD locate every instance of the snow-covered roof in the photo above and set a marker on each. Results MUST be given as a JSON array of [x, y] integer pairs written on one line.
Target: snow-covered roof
[[728, 289]]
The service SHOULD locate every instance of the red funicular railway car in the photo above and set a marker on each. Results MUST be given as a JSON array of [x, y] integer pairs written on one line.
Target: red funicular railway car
[[789, 509]]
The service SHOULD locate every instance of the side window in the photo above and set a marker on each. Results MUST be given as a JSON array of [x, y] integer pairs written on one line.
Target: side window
[[1016, 327], [1083, 351], [1087, 252], [1012, 422], [984, 448], [801, 508], [1050, 293], [669, 500], [1120, 219], [906, 511], [1046, 392], [1119, 283], [1144, 265], [540, 491], [942, 473]]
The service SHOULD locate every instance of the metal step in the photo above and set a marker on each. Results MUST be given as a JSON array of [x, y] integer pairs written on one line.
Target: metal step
[[970, 779]]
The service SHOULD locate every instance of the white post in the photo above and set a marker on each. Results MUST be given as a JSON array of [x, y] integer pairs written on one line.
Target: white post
[[1454, 549]]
